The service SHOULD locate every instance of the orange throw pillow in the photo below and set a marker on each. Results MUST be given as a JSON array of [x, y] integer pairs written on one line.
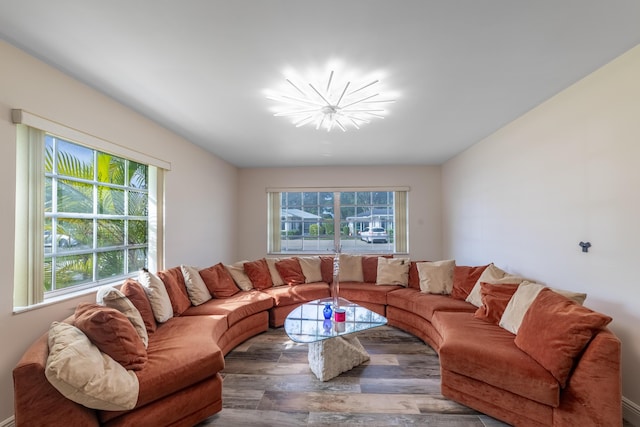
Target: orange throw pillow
[[138, 297], [464, 279], [555, 330], [494, 301], [258, 272], [112, 333], [176, 288], [219, 281], [326, 267], [290, 271], [414, 276]]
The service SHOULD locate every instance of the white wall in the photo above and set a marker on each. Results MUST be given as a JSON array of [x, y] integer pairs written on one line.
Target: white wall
[[424, 200], [200, 190], [568, 171]]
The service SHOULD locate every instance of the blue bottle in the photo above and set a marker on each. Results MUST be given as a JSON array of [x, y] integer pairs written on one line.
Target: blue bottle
[[327, 311]]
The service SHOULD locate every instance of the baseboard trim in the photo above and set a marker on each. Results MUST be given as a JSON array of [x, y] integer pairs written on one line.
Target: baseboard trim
[[9, 422], [631, 412]]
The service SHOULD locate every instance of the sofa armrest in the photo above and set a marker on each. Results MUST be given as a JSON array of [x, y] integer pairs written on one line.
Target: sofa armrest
[[36, 401], [593, 395]]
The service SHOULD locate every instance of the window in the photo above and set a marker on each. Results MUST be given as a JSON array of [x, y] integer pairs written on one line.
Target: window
[[87, 212], [357, 221]]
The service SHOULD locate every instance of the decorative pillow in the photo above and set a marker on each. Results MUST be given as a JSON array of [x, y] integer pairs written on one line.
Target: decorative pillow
[[518, 305], [196, 288], [555, 330], [176, 289], [112, 333], [578, 297], [219, 281], [494, 301], [436, 277], [392, 271], [493, 275], [290, 271], [464, 278], [138, 297], [414, 277], [258, 273], [81, 373], [273, 271], [239, 275], [157, 294], [326, 266], [311, 268], [350, 268], [113, 298]]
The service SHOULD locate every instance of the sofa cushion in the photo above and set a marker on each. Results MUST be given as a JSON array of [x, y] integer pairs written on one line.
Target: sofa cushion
[[366, 292], [138, 297], [276, 279], [82, 373], [157, 294], [196, 288], [414, 277], [311, 268], [290, 271], [176, 288], [436, 277], [487, 353], [289, 295], [464, 279], [518, 306], [494, 301], [326, 266], [237, 307], [112, 333], [555, 330], [258, 273], [239, 275], [370, 267], [425, 305], [219, 281], [350, 269], [393, 271], [113, 298], [493, 275]]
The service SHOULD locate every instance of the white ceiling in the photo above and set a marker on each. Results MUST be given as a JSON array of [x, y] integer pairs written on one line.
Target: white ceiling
[[462, 68]]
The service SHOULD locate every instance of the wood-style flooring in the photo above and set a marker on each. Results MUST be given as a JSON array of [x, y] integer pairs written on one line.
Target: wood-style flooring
[[267, 382]]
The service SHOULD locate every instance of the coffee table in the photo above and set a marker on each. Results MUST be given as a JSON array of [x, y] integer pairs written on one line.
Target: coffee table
[[332, 350]]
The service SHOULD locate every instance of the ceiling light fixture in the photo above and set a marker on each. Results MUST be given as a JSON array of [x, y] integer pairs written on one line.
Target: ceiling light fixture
[[331, 103]]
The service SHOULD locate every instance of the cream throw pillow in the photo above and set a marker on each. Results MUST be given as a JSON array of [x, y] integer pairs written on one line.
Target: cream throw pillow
[[113, 298], [310, 266], [494, 276], [518, 305], [239, 276], [275, 275], [392, 271], [196, 289], [81, 373], [157, 294], [436, 277], [350, 269], [578, 297]]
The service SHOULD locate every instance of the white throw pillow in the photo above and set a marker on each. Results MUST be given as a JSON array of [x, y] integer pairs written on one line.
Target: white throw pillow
[[273, 271], [196, 288], [436, 277], [518, 305], [157, 294], [239, 276], [311, 268], [494, 276], [81, 373], [392, 271], [113, 298], [578, 297], [350, 268]]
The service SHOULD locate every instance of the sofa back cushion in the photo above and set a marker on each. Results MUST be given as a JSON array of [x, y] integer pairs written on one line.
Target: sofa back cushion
[[219, 281], [239, 275], [258, 273], [156, 291], [494, 301], [138, 297], [464, 279], [436, 277], [196, 288], [326, 266], [174, 282], [350, 268], [276, 279], [290, 271], [113, 298], [393, 271]]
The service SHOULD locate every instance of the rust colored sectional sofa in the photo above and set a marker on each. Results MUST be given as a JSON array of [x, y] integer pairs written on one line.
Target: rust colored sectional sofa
[[482, 364]]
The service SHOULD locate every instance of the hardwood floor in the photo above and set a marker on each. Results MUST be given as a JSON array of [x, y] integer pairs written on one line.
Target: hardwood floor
[[267, 382]]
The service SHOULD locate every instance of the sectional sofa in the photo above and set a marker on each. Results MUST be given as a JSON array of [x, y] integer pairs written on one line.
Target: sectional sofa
[[151, 352]]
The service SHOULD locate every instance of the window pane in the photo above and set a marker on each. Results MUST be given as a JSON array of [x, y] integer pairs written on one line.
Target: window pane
[[48, 194], [110, 169], [73, 270], [74, 160], [74, 197], [138, 175], [110, 264], [137, 259], [293, 200], [364, 198], [137, 232], [110, 233], [310, 199], [347, 198], [79, 232], [110, 201], [326, 199], [138, 203]]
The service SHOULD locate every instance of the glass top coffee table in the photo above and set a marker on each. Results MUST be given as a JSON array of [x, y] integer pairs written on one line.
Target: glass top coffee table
[[332, 350]]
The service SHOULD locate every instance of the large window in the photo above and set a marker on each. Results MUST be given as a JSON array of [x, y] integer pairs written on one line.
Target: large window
[[356, 221], [88, 212]]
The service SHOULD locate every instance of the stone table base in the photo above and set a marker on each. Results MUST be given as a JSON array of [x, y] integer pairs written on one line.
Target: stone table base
[[329, 358]]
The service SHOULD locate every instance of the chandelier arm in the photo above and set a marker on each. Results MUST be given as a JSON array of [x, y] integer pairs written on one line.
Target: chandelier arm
[[302, 100], [353, 122], [296, 87], [294, 113], [363, 99], [320, 95], [364, 87], [329, 82], [320, 123], [304, 121]]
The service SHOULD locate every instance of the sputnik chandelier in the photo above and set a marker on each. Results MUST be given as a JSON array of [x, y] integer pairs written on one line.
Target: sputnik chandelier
[[329, 102]]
